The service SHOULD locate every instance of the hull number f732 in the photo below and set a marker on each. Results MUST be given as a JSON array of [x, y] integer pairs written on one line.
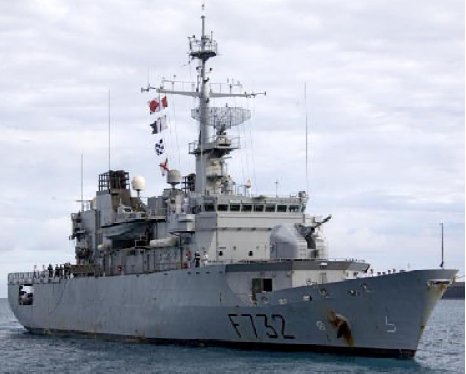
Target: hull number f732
[[261, 325]]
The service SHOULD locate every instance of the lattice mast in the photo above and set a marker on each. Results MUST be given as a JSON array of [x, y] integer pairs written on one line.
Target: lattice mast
[[210, 149]]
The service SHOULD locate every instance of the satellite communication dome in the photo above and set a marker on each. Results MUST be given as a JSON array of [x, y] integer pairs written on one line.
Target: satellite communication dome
[[173, 177], [138, 183]]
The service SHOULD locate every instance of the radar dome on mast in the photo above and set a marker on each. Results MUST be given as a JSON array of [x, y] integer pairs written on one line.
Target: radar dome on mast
[[173, 177], [138, 183]]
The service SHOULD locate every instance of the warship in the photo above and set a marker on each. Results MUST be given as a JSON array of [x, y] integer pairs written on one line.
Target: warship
[[209, 263]]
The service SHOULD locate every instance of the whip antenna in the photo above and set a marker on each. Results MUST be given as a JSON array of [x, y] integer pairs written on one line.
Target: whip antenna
[[109, 129], [307, 143], [82, 188], [441, 225]]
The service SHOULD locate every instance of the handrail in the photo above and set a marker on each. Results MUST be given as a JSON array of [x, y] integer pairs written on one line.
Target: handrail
[[39, 276], [285, 260], [214, 141]]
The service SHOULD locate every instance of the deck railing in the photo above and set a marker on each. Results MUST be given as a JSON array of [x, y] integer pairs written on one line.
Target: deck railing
[[42, 276]]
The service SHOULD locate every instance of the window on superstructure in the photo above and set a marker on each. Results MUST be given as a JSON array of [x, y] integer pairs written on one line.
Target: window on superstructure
[[235, 207], [209, 208], [294, 208], [270, 208], [267, 284], [222, 207], [259, 285], [259, 207], [246, 208], [281, 208]]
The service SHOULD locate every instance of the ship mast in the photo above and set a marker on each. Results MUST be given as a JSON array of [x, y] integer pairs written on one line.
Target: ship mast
[[202, 50], [208, 151]]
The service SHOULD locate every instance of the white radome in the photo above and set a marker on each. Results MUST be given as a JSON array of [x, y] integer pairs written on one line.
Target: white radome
[[173, 177], [138, 183]]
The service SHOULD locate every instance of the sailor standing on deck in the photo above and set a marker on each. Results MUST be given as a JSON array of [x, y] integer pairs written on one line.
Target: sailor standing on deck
[[188, 259], [66, 270], [197, 259], [60, 271], [205, 259], [50, 269]]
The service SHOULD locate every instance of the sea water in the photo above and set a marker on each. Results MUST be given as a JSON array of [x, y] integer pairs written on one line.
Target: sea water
[[441, 350]]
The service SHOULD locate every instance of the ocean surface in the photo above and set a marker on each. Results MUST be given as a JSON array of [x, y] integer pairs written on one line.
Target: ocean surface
[[441, 350]]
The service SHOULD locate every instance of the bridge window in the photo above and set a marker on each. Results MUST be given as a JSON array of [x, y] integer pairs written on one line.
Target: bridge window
[[259, 207], [222, 207], [270, 208], [235, 207], [209, 208], [246, 208], [281, 208], [294, 208]]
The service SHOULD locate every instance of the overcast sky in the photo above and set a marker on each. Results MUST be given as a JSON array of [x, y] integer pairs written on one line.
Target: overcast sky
[[385, 101]]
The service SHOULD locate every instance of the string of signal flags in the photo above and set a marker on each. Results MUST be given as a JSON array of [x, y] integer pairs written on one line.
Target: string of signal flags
[[157, 107]]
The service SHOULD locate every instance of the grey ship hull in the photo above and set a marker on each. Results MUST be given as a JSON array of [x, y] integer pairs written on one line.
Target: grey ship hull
[[378, 316]]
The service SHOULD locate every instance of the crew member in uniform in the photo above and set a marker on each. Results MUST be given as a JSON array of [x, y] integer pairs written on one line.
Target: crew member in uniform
[[50, 269], [66, 270], [188, 259], [197, 259]]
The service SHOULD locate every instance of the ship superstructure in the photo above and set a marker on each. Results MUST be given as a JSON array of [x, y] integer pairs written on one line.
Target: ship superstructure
[[246, 270], [200, 212]]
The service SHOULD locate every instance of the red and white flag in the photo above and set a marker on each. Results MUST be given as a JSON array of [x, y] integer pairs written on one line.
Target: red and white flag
[[164, 102], [164, 167], [154, 106]]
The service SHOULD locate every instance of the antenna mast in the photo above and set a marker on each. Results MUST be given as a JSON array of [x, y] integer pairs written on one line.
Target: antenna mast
[[109, 129], [441, 264], [82, 188], [209, 149], [307, 163]]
